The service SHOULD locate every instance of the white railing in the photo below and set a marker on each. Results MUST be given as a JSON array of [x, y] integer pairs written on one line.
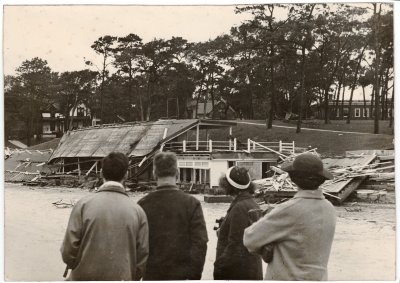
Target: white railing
[[231, 145]]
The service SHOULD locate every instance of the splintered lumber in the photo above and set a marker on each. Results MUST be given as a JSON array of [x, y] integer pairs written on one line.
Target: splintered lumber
[[348, 174]]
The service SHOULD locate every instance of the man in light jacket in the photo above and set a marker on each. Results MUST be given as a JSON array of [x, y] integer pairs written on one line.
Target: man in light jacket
[[107, 233], [301, 230], [177, 229]]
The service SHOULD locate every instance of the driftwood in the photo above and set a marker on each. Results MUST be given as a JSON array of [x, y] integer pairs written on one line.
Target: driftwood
[[61, 204]]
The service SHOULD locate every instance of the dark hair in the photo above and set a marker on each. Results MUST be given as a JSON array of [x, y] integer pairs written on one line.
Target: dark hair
[[306, 181], [114, 166], [231, 190], [165, 164]]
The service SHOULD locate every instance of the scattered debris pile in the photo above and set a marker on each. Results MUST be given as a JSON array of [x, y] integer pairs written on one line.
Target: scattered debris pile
[[24, 165], [349, 173]]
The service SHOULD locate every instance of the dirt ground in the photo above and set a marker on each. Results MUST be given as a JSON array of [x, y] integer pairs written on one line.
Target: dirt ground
[[363, 249]]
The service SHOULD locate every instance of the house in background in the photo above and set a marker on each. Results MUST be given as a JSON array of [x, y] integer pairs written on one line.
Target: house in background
[[54, 122], [221, 110], [359, 110]]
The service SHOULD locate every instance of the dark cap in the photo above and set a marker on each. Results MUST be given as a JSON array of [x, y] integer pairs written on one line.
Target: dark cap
[[307, 163], [238, 177]]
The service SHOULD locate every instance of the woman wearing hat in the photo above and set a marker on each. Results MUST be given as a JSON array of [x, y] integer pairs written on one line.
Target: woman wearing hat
[[301, 230], [233, 261]]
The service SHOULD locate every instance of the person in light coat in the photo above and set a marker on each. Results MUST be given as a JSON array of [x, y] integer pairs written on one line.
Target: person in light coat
[[107, 234], [301, 230]]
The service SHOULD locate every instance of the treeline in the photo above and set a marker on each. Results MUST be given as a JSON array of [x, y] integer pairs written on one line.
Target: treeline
[[286, 58]]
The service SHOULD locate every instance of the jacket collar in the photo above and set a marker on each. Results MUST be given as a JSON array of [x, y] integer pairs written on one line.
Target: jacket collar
[[240, 197], [316, 194], [112, 186], [167, 187]]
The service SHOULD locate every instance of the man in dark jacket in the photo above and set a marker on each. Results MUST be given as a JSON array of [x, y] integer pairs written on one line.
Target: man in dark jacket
[[233, 261], [107, 233], [177, 230]]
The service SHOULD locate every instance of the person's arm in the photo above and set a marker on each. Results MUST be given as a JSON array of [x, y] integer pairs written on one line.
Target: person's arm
[[274, 226], [72, 238], [199, 239], [142, 245]]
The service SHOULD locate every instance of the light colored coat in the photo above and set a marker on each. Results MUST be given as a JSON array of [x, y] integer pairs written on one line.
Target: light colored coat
[[107, 237], [301, 231]]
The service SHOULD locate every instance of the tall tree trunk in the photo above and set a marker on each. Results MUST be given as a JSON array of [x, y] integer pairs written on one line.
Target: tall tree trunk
[[303, 59], [384, 95], [198, 96], [212, 95], [353, 86], [73, 111], [337, 99], [103, 76], [377, 15], [392, 108], [272, 100], [342, 106], [372, 101], [365, 103]]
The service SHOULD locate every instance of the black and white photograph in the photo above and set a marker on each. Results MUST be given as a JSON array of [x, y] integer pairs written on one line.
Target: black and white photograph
[[199, 141]]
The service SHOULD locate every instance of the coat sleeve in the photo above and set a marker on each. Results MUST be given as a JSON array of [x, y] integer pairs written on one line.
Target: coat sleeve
[[72, 238], [198, 245], [142, 245], [234, 250], [274, 226]]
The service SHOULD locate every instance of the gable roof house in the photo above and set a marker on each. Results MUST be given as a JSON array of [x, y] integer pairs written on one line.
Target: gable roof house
[[221, 110], [199, 161]]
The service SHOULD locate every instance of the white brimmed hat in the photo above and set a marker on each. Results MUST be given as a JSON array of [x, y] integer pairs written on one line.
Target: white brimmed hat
[[238, 177]]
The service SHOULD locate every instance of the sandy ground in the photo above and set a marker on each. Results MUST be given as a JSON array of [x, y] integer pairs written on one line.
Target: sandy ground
[[363, 249]]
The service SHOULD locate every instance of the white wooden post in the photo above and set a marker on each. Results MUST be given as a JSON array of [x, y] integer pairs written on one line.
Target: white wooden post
[[230, 140], [293, 147], [165, 133], [210, 145], [280, 146], [197, 137], [248, 145], [79, 168], [184, 145], [234, 144], [63, 168]]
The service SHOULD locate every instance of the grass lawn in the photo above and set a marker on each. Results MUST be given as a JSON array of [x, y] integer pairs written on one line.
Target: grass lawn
[[363, 126], [328, 143]]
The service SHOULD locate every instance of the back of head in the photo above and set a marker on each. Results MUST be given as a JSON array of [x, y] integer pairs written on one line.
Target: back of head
[[114, 166], [307, 171], [237, 180], [165, 165]]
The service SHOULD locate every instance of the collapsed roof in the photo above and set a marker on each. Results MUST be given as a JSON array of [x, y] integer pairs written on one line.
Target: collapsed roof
[[134, 140]]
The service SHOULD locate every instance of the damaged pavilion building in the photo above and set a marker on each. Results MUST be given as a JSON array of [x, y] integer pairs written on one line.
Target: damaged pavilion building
[[201, 160]]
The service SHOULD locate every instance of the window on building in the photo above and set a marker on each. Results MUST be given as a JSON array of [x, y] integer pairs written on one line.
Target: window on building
[[357, 112], [80, 112], [366, 112], [345, 112]]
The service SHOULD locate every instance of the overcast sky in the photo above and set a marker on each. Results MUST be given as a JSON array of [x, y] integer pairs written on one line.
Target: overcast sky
[[63, 34]]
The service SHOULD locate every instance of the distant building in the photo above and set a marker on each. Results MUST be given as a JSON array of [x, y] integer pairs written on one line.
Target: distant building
[[359, 110], [54, 122], [221, 110]]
